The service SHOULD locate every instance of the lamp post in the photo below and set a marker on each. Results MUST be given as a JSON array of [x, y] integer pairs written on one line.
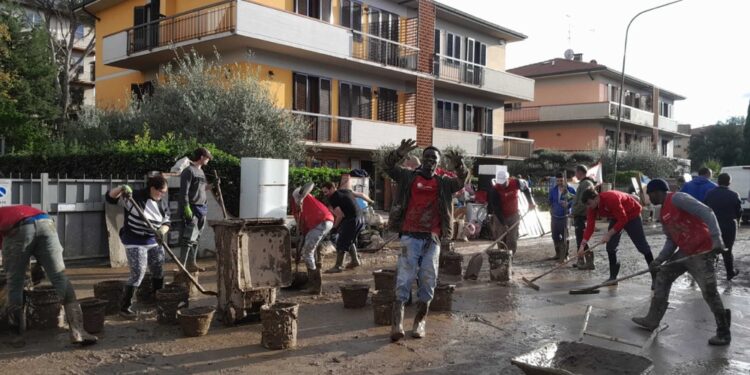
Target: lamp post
[[622, 84]]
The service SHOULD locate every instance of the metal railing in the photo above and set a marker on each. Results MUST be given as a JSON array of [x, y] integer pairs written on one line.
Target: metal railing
[[458, 70], [384, 51], [321, 127], [193, 24], [508, 147]]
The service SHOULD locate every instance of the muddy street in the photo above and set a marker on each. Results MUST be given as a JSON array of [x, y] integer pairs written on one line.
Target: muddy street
[[490, 323]]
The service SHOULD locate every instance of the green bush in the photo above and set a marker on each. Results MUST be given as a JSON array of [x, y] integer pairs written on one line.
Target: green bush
[[303, 175], [623, 178]]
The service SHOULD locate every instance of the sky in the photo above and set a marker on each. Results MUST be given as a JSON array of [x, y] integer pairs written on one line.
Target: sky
[[699, 49]]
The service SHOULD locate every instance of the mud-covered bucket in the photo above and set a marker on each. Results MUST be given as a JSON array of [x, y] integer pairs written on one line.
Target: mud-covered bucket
[[443, 298], [94, 313], [355, 295], [382, 307], [110, 291], [145, 292], [450, 263], [385, 279], [195, 321], [168, 300], [183, 280], [500, 264], [279, 325], [44, 307]]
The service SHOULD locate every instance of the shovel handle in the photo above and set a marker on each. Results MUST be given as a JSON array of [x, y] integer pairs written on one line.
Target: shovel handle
[[221, 196], [502, 236], [563, 264]]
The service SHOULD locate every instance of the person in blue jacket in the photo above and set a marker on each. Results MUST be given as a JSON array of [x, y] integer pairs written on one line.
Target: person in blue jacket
[[699, 186], [561, 203]]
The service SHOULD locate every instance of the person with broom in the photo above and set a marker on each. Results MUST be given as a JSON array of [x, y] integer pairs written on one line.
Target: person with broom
[[691, 228], [503, 205]]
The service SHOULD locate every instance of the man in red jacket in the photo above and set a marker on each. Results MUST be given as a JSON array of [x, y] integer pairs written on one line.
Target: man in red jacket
[[624, 213], [314, 221], [26, 232], [504, 204]]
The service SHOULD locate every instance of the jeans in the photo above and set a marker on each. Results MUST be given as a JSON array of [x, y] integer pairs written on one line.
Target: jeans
[[634, 228], [312, 239], [189, 238], [701, 268], [728, 235], [419, 258], [38, 239], [139, 257], [559, 226]]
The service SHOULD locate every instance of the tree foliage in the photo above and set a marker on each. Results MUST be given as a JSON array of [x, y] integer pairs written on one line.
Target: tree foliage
[[723, 142], [544, 163]]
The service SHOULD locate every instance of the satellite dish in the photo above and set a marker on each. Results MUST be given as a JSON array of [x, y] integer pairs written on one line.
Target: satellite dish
[[569, 54]]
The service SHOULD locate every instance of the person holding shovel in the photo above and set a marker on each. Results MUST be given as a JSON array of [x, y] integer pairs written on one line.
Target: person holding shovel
[[193, 205], [560, 199], [348, 221], [25, 232], [314, 221], [422, 215], [691, 228], [503, 204], [624, 213], [141, 246], [579, 216]]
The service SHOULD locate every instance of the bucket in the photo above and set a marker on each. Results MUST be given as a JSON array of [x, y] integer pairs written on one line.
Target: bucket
[[355, 295], [279, 325], [44, 307], [385, 279], [382, 307], [94, 312], [110, 291], [195, 321], [500, 264], [168, 300], [182, 279], [443, 299], [145, 292], [451, 264]]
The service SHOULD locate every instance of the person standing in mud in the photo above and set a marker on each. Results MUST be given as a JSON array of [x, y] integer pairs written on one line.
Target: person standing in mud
[[579, 217], [503, 204], [560, 199], [700, 185], [26, 232], [193, 205], [624, 213], [691, 229], [727, 207], [348, 223], [314, 221], [422, 215]]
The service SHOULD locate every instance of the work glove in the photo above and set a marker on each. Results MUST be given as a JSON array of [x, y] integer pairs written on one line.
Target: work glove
[[126, 191], [717, 246], [163, 230], [187, 212], [655, 264], [406, 146]]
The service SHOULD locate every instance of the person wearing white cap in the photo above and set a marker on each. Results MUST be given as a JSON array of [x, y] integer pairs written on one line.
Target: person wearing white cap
[[503, 203], [314, 221]]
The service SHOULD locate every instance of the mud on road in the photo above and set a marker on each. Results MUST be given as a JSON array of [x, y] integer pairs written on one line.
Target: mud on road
[[490, 323]]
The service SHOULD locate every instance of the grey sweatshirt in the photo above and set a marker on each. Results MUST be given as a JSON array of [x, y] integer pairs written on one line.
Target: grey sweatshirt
[[192, 186], [687, 203]]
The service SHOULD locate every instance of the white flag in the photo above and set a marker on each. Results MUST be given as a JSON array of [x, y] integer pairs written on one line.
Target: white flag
[[596, 173]]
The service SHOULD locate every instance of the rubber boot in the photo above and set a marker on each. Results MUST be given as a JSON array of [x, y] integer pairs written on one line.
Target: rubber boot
[[655, 313], [78, 335], [397, 321], [157, 284], [557, 251], [354, 258], [563, 254], [314, 283], [339, 263], [588, 262], [614, 270], [418, 330], [17, 325], [127, 300], [723, 335]]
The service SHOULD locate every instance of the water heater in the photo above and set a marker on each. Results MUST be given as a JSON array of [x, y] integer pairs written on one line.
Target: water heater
[[263, 188]]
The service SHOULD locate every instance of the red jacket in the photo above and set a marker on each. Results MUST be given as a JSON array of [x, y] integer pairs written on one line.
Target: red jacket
[[613, 204], [10, 215], [313, 213], [686, 230]]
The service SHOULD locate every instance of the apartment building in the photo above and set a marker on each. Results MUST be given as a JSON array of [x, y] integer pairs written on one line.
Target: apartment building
[[575, 108], [364, 74]]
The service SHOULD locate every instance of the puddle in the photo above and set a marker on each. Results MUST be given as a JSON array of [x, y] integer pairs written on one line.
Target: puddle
[[718, 366]]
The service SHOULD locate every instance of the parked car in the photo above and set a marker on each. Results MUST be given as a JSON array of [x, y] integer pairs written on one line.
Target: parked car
[[741, 184]]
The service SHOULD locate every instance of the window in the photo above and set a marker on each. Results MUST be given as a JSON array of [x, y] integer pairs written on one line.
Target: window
[[79, 72], [79, 32], [447, 114], [665, 109], [92, 71], [320, 9], [351, 14], [522, 134], [664, 148], [33, 18], [313, 95], [609, 139], [614, 94], [355, 101], [477, 119], [436, 59], [140, 90], [387, 105], [453, 46]]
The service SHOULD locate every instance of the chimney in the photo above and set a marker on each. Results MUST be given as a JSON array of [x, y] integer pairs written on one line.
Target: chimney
[[578, 57]]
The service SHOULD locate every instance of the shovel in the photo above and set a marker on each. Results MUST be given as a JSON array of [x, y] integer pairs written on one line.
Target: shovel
[[221, 196], [595, 289], [476, 260], [163, 244], [530, 283]]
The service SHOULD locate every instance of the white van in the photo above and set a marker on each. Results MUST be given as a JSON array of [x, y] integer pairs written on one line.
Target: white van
[[741, 184]]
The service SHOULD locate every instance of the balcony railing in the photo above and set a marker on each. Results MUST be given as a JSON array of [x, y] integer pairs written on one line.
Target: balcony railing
[[322, 126], [384, 51], [522, 114], [508, 147], [458, 70], [193, 24]]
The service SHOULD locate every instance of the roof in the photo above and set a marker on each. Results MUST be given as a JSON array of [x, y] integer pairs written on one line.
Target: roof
[[450, 13], [560, 66]]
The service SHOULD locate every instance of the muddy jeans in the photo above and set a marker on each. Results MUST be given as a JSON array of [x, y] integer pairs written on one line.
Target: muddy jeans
[[38, 239], [701, 268], [419, 258], [189, 238], [139, 257], [312, 239]]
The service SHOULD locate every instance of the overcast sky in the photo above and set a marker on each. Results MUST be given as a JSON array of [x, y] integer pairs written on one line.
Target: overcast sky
[[699, 49]]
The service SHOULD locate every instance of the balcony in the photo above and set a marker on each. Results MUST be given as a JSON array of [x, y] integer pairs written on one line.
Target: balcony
[[507, 147], [353, 133], [483, 145], [383, 51], [473, 76]]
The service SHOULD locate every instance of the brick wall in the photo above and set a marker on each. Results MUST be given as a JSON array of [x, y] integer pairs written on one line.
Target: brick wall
[[425, 93]]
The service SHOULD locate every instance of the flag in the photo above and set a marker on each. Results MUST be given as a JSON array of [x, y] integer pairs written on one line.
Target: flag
[[596, 173]]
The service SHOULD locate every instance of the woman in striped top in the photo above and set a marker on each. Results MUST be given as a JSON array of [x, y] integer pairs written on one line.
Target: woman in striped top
[[140, 242]]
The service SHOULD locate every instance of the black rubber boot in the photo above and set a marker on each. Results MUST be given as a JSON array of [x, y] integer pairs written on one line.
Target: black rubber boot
[[339, 267], [397, 321], [354, 258], [17, 325], [127, 300], [157, 284], [723, 335], [655, 313], [314, 283], [418, 330], [614, 270], [563, 254]]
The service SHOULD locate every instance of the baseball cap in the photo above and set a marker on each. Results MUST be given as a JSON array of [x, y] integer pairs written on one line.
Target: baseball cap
[[501, 177], [657, 184]]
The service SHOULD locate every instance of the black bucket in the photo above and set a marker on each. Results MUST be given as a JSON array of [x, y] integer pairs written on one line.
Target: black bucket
[[385, 279], [110, 291], [355, 295], [443, 298], [279, 325], [145, 292], [168, 300], [451, 264], [44, 307], [382, 307], [94, 313]]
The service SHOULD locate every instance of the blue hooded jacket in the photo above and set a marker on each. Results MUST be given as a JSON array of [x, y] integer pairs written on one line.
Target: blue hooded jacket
[[698, 187]]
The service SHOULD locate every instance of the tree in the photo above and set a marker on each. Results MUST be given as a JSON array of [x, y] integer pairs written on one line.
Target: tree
[[723, 142]]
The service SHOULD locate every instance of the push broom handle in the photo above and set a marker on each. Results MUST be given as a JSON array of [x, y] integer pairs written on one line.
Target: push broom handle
[[561, 265], [607, 283]]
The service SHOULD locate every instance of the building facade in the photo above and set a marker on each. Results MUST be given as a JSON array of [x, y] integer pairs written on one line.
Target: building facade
[[364, 74], [575, 109]]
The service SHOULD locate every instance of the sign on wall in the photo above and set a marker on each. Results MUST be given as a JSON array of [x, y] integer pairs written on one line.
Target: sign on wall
[[5, 193]]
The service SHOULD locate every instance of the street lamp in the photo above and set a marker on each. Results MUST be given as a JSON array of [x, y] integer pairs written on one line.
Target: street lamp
[[622, 84]]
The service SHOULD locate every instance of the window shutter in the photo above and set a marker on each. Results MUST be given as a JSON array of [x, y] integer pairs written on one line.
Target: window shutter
[[300, 92]]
